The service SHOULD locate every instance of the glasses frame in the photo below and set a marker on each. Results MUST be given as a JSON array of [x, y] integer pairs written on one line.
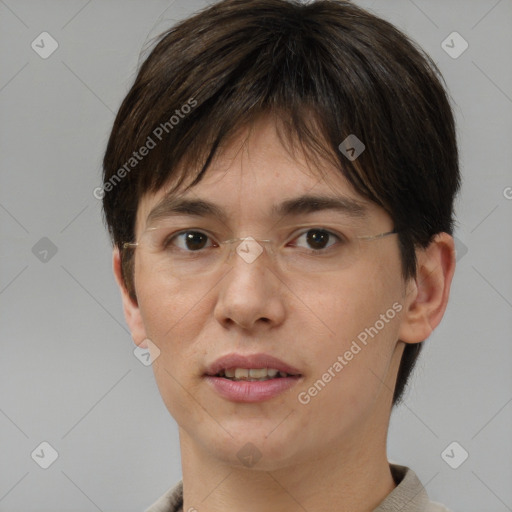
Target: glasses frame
[[134, 245], [370, 237]]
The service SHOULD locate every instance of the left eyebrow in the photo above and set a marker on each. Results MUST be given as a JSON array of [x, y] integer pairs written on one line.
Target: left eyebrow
[[173, 206], [313, 203]]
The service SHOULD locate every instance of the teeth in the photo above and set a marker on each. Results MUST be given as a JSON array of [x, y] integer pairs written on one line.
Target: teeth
[[251, 374], [258, 374], [241, 373]]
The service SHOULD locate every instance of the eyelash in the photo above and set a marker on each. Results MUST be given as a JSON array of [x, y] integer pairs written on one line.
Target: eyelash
[[168, 241]]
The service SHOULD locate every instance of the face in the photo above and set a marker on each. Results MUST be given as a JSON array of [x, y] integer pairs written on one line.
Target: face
[[338, 329]]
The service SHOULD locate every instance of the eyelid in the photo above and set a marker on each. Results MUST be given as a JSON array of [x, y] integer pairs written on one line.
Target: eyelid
[[339, 237], [167, 240], [304, 229]]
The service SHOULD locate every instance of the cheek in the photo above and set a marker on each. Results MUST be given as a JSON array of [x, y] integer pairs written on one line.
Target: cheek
[[360, 321], [166, 304], [173, 320]]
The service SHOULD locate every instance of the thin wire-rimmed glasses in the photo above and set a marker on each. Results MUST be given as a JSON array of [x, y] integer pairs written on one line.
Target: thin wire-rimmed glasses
[[162, 254]]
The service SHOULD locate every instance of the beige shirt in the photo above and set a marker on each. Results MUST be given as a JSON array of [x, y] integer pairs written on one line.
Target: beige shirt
[[408, 496]]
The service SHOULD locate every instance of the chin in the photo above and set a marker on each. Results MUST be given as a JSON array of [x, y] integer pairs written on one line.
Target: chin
[[255, 449]]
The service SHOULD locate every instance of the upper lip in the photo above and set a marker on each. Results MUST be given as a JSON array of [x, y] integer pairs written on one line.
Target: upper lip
[[250, 361]]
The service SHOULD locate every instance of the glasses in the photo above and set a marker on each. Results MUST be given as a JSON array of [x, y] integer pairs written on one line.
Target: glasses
[[194, 252]]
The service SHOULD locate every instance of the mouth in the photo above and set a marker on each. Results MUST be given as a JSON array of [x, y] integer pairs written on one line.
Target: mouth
[[251, 366], [251, 378], [253, 374]]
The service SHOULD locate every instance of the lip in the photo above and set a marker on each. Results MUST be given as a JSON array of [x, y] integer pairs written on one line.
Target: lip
[[255, 391], [247, 391], [249, 361]]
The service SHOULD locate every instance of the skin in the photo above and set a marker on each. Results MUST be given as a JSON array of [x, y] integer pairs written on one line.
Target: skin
[[331, 452]]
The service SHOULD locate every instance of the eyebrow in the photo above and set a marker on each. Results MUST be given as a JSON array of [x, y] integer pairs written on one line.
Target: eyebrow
[[174, 206]]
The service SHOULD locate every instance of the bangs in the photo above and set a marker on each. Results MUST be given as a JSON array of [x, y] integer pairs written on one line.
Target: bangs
[[301, 134]]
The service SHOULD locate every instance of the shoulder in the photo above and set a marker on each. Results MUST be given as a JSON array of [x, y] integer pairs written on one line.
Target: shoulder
[[171, 501], [409, 494]]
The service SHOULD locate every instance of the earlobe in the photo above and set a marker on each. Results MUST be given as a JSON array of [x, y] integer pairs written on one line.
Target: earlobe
[[427, 298], [130, 307]]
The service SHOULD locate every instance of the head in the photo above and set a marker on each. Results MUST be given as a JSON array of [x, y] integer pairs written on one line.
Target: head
[[247, 104]]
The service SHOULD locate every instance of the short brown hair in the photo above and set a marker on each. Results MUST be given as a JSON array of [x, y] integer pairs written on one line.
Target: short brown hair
[[326, 70]]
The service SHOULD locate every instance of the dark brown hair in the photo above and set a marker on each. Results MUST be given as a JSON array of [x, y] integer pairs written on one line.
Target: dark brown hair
[[325, 70]]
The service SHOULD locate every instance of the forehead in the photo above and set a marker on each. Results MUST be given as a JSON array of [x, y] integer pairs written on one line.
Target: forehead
[[256, 175]]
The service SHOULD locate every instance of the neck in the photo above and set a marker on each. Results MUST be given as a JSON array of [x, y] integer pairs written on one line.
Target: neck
[[353, 474]]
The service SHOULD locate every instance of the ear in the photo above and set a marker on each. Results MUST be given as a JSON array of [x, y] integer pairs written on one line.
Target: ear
[[130, 307], [427, 296]]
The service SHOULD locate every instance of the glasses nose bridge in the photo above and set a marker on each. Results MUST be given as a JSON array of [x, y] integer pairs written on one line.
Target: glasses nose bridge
[[248, 251]]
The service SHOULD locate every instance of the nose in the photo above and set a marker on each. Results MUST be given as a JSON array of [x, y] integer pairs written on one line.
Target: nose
[[251, 292]]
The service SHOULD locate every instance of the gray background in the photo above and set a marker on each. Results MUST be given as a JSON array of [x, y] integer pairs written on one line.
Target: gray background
[[68, 373]]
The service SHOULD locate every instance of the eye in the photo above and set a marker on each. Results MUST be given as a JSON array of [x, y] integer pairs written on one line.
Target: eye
[[187, 240], [317, 238]]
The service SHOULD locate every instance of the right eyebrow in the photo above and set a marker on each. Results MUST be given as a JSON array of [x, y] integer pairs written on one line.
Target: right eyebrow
[[172, 206]]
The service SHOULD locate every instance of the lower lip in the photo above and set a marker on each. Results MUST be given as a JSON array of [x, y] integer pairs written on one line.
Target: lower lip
[[255, 391]]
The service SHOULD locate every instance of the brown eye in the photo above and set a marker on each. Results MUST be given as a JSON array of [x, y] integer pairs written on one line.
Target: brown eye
[[195, 240], [317, 239], [188, 240]]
